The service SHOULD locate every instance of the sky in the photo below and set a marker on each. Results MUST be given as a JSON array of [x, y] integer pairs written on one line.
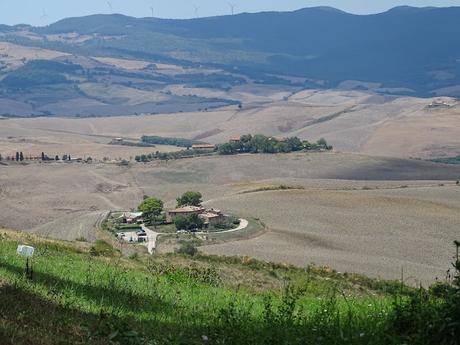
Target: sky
[[43, 12]]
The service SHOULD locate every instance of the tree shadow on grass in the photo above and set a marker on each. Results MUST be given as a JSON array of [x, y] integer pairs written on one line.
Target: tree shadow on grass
[[26, 318], [112, 310], [115, 298]]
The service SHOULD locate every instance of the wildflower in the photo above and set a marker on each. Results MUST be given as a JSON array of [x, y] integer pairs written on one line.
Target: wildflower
[[204, 338]]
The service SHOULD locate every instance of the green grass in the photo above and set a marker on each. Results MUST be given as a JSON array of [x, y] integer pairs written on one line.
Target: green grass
[[77, 298], [255, 227], [165, 228]]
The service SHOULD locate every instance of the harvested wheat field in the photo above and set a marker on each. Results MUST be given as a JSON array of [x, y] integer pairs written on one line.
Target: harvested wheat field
[[352, 121], [351, 212]]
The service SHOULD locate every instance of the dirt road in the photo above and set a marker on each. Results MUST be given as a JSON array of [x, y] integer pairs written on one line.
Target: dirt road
[[152, 239]]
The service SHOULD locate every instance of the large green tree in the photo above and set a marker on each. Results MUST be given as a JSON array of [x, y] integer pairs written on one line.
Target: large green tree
[[190, 199], [151, 209], [188, 222]]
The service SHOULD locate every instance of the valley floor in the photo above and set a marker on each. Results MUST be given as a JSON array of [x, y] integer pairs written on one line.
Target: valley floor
[[355, 213]]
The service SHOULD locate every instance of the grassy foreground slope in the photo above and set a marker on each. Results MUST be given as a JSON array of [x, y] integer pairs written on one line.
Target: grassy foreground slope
[[82, 295]]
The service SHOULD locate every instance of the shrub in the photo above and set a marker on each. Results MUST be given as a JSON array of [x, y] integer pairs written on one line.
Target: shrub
[[430, 316], [226, 223], [181, 223], [134, 256], [187, 249], [101, 248]]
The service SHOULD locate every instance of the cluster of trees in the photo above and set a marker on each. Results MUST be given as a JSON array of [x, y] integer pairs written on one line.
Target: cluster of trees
[[262, 144], [179, 142], [246, 144], [40, 72]]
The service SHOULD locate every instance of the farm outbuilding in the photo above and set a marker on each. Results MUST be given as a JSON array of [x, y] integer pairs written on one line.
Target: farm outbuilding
[[132, 217]]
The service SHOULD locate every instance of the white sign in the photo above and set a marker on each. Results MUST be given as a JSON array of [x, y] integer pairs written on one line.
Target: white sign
[[26, 251]]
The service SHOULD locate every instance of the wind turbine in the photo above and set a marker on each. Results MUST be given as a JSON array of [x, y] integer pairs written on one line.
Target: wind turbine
[[153, 11], [110, 6], [44, 14], [232, 8], [196, 10]]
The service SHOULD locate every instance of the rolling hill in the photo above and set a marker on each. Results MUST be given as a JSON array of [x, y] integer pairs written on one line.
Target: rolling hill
[[395, 49], [315, 72]]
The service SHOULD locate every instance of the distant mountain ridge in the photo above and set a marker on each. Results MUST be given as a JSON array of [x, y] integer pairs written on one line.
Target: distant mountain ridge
[[403, 47], [406, 50]]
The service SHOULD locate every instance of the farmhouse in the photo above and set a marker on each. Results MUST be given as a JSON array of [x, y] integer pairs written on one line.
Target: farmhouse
[[184, 211], [208, 216], [234, 139], [211, 216], [439, 103], [203, 147]]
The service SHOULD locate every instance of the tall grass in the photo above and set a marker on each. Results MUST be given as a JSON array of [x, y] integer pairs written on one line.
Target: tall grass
[[90, 300]]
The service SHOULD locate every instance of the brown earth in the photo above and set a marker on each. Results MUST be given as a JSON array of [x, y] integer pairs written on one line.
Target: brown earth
[[355, 213]]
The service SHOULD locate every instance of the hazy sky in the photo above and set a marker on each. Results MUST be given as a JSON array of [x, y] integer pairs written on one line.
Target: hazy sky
[[41, 12]]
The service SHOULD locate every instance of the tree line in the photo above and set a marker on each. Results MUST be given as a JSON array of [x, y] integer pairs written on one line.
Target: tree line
[[171, 155], [179, 142], [245, 144], [262, 144], [20, 157]]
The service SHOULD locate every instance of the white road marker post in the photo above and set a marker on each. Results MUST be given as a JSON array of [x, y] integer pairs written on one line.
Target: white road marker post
[[27, 252]]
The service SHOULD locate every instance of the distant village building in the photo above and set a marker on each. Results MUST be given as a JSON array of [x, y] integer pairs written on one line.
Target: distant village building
[[235, 139], [440, 103], [117, 141]]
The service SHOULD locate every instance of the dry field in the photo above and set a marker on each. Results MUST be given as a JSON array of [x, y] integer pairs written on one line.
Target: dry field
[[352, 212], [14, 56], [351, 121], [34, 137]]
